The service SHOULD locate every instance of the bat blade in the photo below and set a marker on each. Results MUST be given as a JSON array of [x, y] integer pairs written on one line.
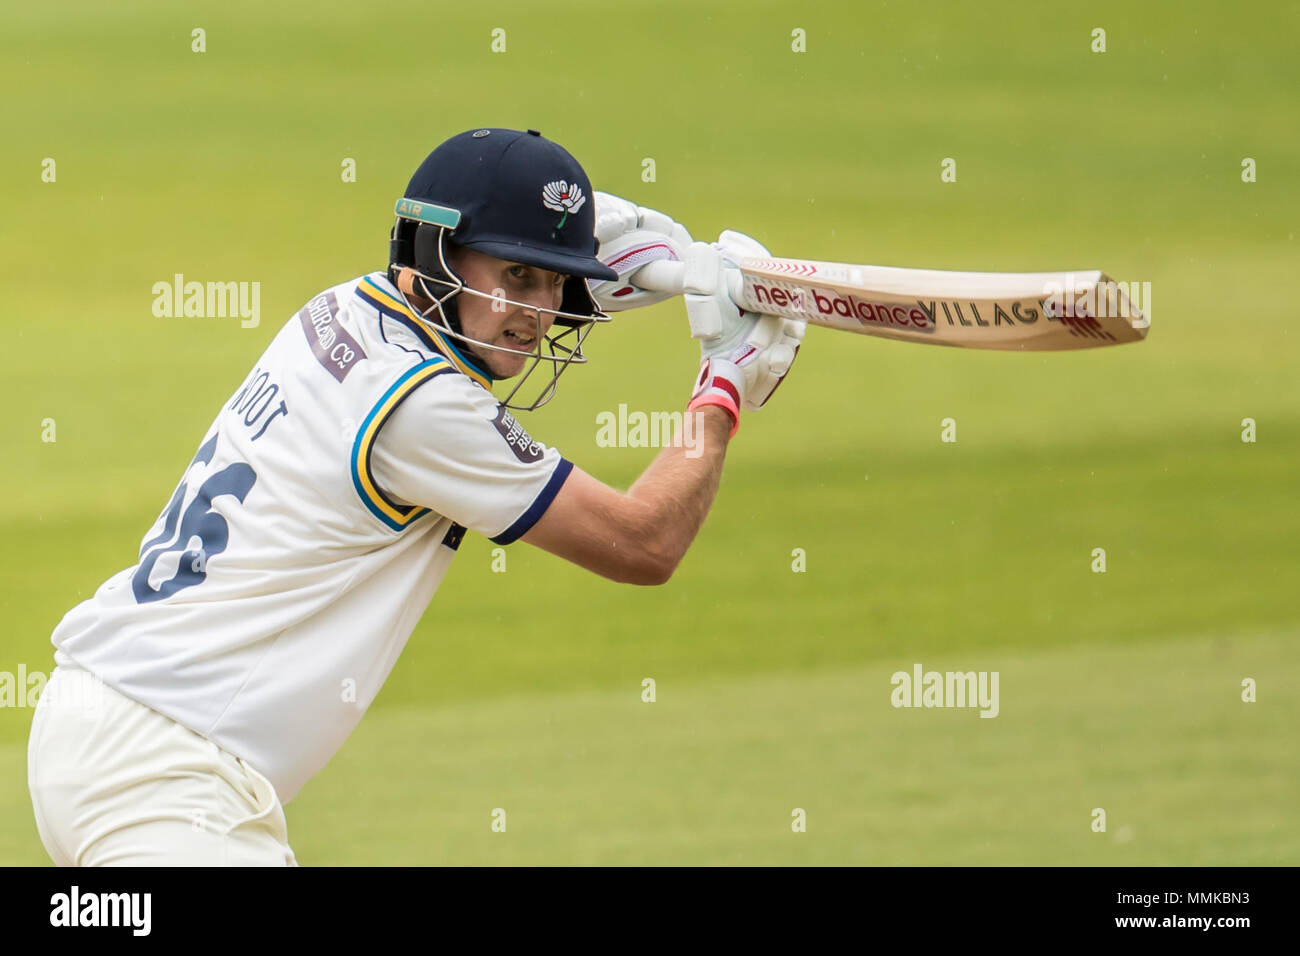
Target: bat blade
[[1016, 311]]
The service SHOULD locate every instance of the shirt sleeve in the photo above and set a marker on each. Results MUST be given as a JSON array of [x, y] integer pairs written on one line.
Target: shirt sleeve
[[454, 449]]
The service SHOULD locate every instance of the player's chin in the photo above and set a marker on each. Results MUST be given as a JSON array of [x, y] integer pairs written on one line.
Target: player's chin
[[508, 366]]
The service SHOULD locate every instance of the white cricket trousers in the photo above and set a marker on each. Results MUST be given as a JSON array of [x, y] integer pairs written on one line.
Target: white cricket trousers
[[114, 783]]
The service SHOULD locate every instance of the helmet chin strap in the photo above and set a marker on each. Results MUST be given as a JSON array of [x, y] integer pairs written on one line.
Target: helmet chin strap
[[411, 283]]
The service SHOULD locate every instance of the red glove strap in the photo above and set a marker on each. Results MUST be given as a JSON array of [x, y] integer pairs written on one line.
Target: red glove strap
[[722, 401], [715, 389]]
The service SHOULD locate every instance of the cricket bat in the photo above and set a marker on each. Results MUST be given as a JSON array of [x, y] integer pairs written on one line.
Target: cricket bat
[[1013, 311]]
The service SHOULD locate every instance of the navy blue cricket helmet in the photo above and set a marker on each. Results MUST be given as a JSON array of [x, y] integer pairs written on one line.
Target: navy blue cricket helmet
[[510, 194]]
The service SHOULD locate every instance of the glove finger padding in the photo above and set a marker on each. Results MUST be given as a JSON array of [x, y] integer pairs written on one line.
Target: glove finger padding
[[735, 246], [767, 356], [615, 216], [782, 356], [713, 317], [630, 236]]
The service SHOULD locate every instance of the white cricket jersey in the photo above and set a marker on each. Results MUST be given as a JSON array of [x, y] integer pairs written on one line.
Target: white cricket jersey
[[277, 588]]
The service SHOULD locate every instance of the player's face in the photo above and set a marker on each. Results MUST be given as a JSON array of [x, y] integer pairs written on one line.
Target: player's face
[[498, 322]]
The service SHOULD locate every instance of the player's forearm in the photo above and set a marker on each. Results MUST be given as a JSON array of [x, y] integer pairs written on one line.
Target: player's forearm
[[678, 488], [639, 536]]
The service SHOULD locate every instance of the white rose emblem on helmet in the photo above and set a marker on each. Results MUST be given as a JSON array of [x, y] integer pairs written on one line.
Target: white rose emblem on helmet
[[562, 197]]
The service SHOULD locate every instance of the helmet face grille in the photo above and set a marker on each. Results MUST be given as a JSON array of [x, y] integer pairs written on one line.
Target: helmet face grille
[[557, 344]]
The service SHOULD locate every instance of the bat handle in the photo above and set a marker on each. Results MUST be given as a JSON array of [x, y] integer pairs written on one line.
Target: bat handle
[[669, 276]]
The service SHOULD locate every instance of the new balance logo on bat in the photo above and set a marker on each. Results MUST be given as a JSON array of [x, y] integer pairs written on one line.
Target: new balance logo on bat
[[848, 307], [1012, 311], [1059, 301], [923, 316]]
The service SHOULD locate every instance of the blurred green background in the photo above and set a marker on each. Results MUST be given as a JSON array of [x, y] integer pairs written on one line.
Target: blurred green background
[[523, 691]]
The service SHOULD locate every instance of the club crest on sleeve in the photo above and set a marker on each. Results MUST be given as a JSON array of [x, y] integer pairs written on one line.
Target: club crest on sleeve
[[520, 442], [563, 197]]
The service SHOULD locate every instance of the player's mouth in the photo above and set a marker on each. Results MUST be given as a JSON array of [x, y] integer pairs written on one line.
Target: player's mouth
[[519, 340]]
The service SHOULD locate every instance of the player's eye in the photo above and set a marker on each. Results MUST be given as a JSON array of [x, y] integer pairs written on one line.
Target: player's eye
[[525, 274]]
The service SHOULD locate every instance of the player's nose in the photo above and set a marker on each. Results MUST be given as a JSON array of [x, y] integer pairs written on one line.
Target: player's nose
[[542, 302]]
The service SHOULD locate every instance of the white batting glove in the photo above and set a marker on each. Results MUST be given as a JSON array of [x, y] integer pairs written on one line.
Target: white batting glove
[[775, 340], [744, 356], [631, 236]]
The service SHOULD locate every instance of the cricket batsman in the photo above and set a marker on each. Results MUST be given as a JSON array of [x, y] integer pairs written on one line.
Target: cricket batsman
[[275, 591]]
